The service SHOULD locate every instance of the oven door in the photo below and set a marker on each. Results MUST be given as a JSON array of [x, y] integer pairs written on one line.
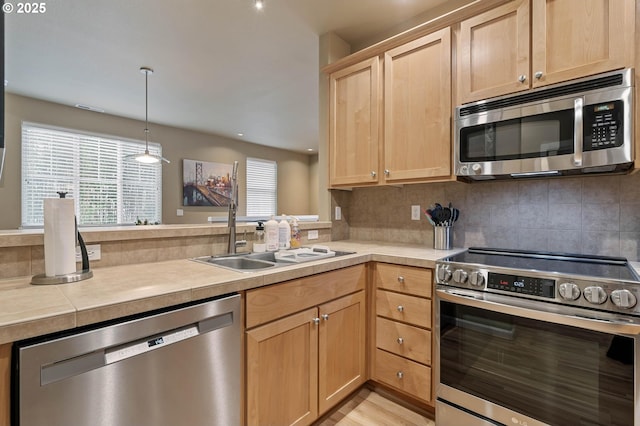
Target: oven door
[[503, 361]]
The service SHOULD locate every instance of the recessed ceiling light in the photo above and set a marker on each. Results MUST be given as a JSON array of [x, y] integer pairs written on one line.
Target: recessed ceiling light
[[259, 4], [310, 149], [6, 82], [88, 108], [241, 134]]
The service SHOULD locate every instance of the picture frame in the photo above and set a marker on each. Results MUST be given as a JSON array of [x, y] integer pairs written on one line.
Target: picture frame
[[206, 184]]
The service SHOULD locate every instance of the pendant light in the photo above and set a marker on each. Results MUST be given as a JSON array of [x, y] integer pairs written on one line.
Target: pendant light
[[146, 157]]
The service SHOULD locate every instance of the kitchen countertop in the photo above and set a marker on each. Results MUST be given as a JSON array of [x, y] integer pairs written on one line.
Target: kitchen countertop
[[27, 310]]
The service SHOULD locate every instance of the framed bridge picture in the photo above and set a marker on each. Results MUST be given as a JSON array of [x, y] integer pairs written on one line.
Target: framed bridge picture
[[206, 184]]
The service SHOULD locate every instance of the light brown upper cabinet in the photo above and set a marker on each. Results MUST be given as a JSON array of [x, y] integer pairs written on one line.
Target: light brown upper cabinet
[[417, 109], [354, 110], [529, 43], [415, 123]]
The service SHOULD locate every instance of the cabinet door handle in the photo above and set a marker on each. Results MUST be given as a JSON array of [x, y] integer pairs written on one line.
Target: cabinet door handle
[[522, 78], [386, 172], [325, 317], [399, 374], [316, 321], [538, 75], [401, 279], [400, 340], [373, 174], [400, 308]]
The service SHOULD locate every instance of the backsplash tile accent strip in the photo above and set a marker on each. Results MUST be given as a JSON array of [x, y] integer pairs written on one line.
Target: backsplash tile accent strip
[[590, 215]]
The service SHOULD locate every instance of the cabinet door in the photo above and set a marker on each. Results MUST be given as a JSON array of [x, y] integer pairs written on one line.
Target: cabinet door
[[576, 38], [493, 53], [282, 371], [5, 380], [341, 349], [417, 109], [353, 117]]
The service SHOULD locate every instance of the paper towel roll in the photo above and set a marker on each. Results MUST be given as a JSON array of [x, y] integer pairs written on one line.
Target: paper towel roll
[[59, 236]]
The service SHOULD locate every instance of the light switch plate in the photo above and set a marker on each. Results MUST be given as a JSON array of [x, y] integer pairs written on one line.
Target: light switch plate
[[179, 212], [93, 252], [338, 214], [415, 212], [312, 235]]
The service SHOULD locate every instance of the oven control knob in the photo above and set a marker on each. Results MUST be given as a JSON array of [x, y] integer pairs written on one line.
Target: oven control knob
[[476, 279], [444, 275], [595, 294], [476, 168], [460, 276], [623, 299], [569, 291]]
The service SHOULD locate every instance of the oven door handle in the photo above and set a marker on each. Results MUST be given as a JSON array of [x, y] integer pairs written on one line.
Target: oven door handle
[[557, 314]]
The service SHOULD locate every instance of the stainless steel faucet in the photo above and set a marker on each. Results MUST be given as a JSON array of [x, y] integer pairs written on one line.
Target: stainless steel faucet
[[233, 208]]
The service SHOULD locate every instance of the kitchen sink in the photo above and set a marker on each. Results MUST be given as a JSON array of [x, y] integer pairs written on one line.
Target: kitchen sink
[[251, 262], [238, 263]]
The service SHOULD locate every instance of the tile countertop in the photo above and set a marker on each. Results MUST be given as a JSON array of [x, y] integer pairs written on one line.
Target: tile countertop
[[113, 292]]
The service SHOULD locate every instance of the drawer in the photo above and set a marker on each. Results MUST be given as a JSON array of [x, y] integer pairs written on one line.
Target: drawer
[[405, 279], [403, 374], [404, 340], [278, 300], [410, 309]]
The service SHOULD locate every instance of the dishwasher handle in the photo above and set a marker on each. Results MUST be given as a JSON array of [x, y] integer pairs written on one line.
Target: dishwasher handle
[[81, 364]]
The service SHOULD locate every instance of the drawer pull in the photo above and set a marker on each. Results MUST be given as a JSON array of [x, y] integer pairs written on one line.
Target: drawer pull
[[400, 340], [400, 374], [401, 279], [316, 321], [400, 308], [325, 317]]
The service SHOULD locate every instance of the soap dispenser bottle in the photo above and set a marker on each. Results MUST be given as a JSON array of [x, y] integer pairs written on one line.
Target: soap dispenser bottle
[[295, 234], [284, 234], [271, 234], [259, 246]]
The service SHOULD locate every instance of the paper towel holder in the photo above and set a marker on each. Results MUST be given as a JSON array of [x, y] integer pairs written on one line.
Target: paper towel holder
[[85, 273]]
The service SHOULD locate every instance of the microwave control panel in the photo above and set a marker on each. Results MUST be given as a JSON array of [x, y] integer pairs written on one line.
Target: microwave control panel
[[603, 125]]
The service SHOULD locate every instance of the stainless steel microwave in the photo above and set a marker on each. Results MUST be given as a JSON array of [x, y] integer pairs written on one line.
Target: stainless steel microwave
[[583, 126]]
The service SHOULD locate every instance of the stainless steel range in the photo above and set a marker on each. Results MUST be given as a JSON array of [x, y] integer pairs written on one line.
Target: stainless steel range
[[534, 338]]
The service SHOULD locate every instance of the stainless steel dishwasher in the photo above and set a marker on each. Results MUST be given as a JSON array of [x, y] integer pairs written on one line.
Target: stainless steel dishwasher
[[166, 368]]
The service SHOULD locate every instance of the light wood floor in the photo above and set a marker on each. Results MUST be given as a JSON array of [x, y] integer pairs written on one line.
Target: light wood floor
[[367, 408]]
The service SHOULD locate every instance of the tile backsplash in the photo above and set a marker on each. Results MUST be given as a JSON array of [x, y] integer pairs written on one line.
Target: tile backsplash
[[590, 215]]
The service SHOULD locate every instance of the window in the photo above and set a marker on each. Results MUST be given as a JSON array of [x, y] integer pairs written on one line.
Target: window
[[262, 187], [108, 189]]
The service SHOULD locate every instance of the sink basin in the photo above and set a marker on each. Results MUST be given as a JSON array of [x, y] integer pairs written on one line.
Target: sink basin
[[249, 262], [238, 263]]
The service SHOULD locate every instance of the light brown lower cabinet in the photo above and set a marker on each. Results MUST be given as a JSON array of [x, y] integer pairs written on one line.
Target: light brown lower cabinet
[[5, 381], [303, 363], [402, 357]]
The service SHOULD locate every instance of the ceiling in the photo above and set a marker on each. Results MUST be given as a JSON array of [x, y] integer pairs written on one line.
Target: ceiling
[[221, 66]]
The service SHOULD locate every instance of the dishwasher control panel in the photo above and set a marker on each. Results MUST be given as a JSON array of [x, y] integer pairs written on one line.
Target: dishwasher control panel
[[122, 352]]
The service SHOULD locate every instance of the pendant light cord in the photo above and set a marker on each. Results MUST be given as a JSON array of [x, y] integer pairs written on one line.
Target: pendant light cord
[[146, 110]]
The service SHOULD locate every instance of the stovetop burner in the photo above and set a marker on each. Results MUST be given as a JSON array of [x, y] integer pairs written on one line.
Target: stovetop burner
[[594, 282], [563, 263]]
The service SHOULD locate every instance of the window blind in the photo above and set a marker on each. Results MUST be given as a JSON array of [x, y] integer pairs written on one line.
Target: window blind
[[262, 187], [108, 189]]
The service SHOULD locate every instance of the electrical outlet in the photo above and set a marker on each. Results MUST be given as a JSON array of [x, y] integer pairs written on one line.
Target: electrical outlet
[[93, 252], [338, 214], [179, 212], [415, 212], [312, 235]]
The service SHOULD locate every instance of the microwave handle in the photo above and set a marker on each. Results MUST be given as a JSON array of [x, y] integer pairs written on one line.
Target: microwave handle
[[577, 132]]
